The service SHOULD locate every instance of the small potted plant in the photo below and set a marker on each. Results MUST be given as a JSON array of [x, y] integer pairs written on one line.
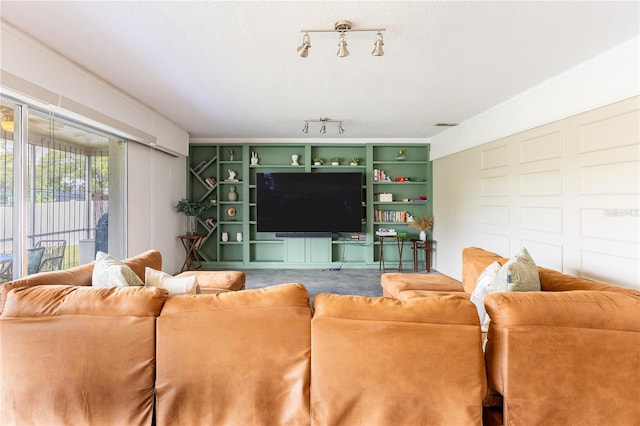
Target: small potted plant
[[317, 161], [355, 161], [422, 224], [335, 161], [193, 209]]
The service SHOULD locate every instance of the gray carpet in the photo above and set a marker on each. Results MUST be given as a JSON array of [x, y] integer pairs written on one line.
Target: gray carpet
[[362, 282]]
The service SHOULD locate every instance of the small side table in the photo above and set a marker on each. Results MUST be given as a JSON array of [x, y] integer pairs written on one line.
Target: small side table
[[400, 243], [422, 246], [191, 244]]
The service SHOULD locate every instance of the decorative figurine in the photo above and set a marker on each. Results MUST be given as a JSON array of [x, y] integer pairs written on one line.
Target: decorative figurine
[[254, 158], [232, 175], [294, 159], [232, 154]]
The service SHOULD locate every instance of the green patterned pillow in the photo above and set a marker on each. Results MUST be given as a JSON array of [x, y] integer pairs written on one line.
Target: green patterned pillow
[[111, 272], [520, 273]]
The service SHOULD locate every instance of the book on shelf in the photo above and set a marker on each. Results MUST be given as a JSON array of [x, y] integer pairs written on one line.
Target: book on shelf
[[380, 176], [390, 216], [210, 222], [211, 181], [198, 167]]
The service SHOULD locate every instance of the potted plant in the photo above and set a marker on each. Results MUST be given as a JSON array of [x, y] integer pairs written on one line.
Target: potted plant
[[317, 161], [422, 224], [193, 209], [335, 161], [355, 161]]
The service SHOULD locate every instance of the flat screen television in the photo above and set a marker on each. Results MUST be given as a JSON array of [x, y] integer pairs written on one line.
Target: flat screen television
[[309, 202]]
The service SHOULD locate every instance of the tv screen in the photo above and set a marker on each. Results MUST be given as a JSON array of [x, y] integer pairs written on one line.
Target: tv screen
[[309, 202]]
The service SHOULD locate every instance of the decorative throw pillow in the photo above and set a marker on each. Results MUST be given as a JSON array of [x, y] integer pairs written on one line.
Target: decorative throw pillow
[[520, 273], [111, 272], [484, 286], [175, 285]]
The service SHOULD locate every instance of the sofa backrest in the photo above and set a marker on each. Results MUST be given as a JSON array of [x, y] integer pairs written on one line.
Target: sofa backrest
[[474, 261], [568, 357], [235, 358], [80, 275], [382, 361], [78, 355], [551, 280]]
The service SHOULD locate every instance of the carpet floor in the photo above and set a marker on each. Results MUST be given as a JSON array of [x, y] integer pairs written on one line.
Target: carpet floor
[[361, 282]]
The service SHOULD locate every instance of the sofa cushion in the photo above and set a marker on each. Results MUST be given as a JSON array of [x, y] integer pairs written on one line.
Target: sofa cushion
[[217, 281], [111, 272], [237, 357], [175, 285], [393, 284], [520, 273], [78, 355], [484, 286], [382, 361], [568, 357]]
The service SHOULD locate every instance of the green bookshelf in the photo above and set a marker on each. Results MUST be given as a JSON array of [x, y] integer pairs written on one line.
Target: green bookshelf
[[211, 162]]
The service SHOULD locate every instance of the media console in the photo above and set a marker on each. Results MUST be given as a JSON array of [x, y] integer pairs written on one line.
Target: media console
[[307, 235]]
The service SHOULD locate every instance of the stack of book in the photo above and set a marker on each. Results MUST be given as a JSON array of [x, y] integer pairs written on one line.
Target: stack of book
[[211, 181], [380, 176]]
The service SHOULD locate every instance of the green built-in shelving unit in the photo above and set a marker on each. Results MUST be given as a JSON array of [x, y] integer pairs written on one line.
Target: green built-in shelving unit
[[208, 173]]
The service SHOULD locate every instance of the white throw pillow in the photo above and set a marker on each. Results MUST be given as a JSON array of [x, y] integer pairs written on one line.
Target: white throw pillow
[[484, 286], [175, 285], [111, 272]]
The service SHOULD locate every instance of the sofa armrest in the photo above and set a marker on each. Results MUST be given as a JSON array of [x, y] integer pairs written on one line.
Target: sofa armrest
[[565, 357]]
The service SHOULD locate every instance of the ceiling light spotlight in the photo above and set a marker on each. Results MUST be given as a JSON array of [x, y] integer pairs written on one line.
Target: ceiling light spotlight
[[342, 27], [303, 50], [377, 49], [342, 47], [323, 127]]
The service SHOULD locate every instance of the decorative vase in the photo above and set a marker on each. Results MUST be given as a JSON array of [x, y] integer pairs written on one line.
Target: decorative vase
[[423, 236], [225, 236], [192, 225], [233, 195], [239, 236]]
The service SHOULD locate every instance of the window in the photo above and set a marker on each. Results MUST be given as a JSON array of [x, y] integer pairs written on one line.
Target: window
[[58, 186]]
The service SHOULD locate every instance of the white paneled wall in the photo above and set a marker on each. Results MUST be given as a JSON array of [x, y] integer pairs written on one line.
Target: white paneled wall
[[569, 191]]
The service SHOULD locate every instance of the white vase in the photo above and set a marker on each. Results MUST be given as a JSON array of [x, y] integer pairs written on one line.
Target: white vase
[[192, 225], [239, 236], [423, 236], [225, 236]]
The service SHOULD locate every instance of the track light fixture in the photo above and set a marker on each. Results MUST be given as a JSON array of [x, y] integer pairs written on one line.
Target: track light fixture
[[323, 127], [341, 27]]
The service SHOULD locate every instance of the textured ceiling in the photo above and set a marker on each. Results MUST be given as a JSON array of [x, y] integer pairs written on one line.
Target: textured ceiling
[[230, 69]]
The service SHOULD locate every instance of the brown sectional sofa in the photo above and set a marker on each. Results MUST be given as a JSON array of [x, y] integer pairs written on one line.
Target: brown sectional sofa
[[569, 354], [80, 355]]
